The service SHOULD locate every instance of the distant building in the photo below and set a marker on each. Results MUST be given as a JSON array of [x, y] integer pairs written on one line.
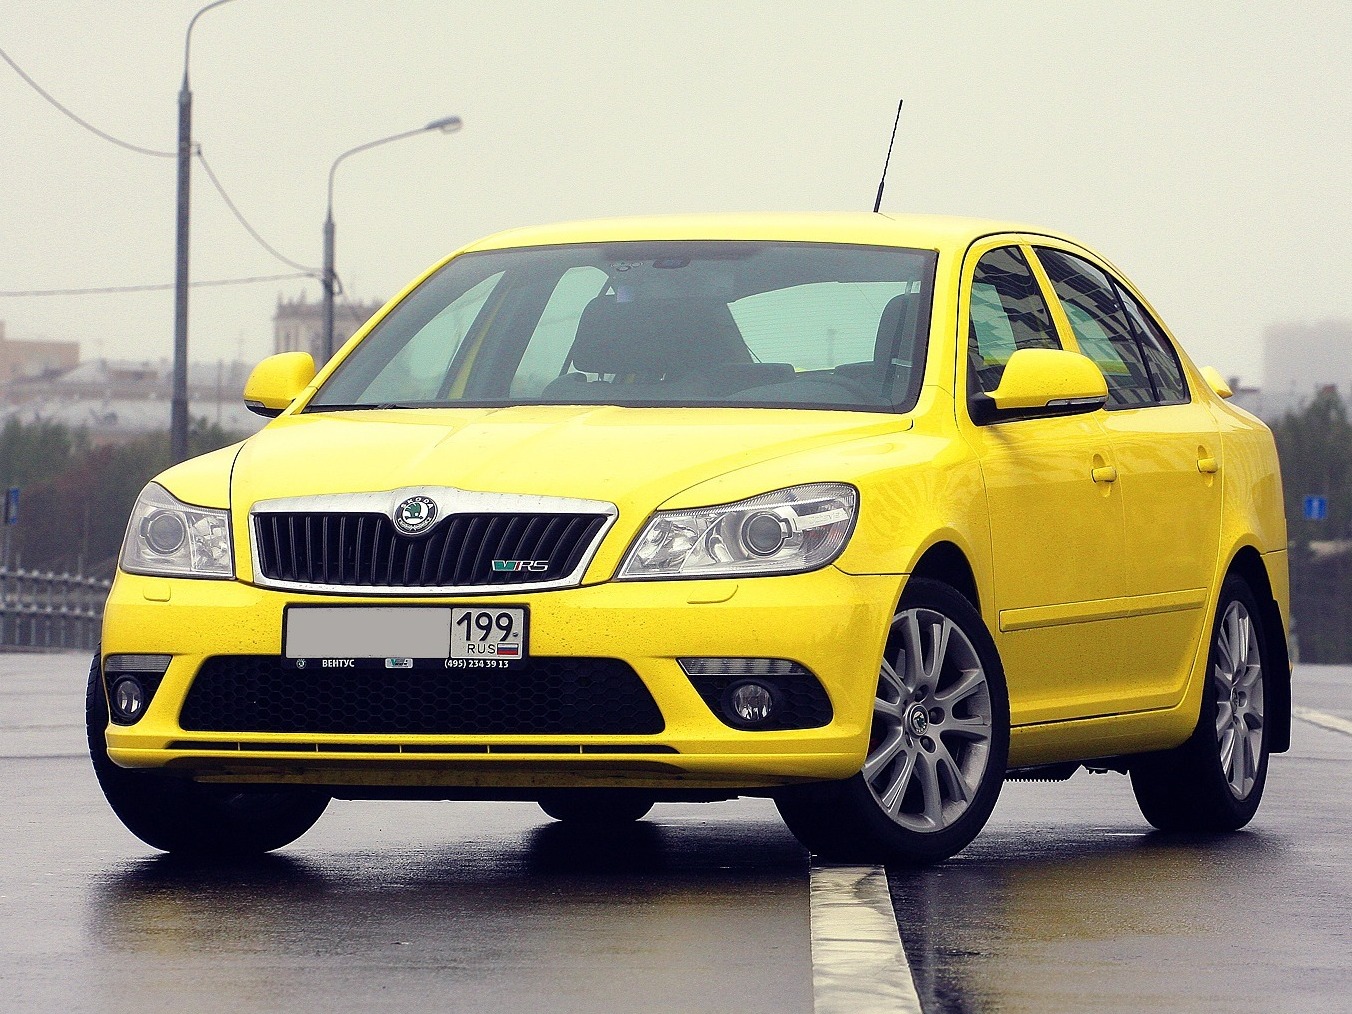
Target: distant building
[[118, 399], [298, 325], [28, 360], [1301, 358]]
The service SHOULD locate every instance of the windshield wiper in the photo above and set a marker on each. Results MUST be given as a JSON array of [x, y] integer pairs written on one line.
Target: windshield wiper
[[366, 406]]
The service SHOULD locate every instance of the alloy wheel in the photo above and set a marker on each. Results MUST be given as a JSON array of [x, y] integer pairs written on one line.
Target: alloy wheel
[[932, 723], [1237, 676]]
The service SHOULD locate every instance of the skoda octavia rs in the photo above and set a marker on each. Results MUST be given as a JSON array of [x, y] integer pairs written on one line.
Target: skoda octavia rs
[[862, 513]]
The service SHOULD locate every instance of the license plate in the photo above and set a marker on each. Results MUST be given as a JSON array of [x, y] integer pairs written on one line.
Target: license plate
[[487, 633], [405, 637]]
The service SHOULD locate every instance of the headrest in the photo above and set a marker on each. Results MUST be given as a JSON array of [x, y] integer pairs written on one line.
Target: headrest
[[655, 336], [891, 322]]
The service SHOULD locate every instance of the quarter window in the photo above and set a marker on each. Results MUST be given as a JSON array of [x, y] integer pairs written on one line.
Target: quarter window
[[1007, 313]]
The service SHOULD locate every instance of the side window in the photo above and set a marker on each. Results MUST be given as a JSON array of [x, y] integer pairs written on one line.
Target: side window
[[1007, 312], [1160, 358], [1101, 327], [548, 349]]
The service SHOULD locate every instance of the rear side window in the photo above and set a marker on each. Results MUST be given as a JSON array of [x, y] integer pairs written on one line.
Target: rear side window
[[1166, 372], [1007, 313], [1101, 327]]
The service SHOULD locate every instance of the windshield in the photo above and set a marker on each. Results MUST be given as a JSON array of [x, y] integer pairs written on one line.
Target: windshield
[[756, 324]]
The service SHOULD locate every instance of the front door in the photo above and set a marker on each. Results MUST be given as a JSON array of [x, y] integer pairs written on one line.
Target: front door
[[1057, 534]]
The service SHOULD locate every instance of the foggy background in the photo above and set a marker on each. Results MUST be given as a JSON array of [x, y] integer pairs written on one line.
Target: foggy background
[[1204, 152]]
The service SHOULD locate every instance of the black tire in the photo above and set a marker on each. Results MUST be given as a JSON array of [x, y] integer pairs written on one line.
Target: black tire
[[959, 747], [1202, 786], [182, 816], [596, 807]]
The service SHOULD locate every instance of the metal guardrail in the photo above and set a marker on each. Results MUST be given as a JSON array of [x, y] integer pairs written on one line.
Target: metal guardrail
[[46, 610]]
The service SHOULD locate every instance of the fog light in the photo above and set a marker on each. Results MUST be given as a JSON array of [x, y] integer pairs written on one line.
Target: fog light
[[128, 699], [750, 702]]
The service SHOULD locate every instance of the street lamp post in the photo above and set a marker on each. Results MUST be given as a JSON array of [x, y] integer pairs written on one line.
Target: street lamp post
[[178, 411], [447, 125]]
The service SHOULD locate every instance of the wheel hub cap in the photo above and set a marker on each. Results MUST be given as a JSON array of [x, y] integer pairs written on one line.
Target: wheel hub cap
[[917, 720]]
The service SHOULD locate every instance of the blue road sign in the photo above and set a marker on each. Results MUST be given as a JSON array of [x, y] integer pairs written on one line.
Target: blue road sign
[[12, 505], [1316, 508]]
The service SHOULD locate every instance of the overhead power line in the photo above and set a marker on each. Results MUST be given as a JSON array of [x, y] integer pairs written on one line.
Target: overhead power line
[[111, 289], [84, 123], [313, 272], [215, 182]]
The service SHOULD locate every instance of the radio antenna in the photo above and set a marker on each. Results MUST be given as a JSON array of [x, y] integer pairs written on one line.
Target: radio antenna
[[878, 201]]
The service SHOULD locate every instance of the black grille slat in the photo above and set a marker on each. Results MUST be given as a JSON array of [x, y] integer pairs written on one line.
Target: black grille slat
[[364, 550], [460, 575], [342, 549], [545, 696], [487, 551], [452, 531]]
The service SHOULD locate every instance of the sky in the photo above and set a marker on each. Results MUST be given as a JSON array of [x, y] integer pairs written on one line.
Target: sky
[[1204, 149]]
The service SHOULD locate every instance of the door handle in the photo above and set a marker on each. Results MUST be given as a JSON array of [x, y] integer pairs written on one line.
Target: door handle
[[1208, 465], [1104, 473]]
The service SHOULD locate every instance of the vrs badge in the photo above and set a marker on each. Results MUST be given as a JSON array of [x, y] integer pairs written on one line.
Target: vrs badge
[[415, 515]]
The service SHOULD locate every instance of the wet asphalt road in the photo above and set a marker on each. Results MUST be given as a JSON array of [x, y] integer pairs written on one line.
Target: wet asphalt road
[[1066, 903]]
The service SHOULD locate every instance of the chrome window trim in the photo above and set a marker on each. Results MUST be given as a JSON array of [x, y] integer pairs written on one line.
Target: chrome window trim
[[449, 501]]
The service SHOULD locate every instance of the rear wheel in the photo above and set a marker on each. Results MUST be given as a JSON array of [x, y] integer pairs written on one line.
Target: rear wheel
[[596, 807], [938, 748], [182, 816], [1214, 781]]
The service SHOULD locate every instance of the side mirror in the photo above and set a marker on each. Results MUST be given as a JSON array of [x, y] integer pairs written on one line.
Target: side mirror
[[275, 382], [1216, 382], [1043, 382]]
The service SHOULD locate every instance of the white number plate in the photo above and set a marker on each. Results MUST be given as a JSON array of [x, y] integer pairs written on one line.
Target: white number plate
[[405, 637], [488, 632]]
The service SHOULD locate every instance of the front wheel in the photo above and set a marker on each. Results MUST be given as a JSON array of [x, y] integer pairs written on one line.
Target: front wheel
[[181, 816], [938, 749], [1215, 780]]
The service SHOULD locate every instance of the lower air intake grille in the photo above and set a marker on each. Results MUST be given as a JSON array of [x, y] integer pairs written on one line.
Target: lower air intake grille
[[546, 696]]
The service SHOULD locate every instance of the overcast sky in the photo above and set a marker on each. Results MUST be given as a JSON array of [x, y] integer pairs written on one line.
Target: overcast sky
[[1203, 148]]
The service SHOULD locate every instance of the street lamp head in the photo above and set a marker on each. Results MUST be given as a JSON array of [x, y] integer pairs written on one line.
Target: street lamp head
[[447, 124]]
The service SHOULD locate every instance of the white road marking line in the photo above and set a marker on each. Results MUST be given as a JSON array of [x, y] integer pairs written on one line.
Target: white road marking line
[[1331, 722], [859, 965]]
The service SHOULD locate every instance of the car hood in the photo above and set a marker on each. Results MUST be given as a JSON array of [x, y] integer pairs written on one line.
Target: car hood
[[634, 457]]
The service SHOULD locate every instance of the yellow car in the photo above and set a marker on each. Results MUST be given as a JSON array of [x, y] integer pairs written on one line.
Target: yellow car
[[864, 513]]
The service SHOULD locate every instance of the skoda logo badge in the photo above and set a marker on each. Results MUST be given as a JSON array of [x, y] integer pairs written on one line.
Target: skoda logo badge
[[415, 515]]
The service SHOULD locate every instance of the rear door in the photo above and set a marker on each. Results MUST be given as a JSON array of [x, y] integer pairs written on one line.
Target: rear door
[[1168, 454]]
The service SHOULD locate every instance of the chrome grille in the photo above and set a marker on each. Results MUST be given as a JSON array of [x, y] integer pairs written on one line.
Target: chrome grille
[[328, 549]]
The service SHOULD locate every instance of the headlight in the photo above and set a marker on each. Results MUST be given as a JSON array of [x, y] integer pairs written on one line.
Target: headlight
[[168, 538], [784, 532]]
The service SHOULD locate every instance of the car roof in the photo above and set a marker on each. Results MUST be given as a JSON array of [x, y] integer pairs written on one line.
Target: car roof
[[925, 232]]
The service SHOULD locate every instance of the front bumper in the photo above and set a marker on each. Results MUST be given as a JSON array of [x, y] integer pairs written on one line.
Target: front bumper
[[833, 623]]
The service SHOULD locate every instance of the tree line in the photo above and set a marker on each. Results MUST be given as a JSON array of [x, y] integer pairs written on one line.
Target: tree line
[[77, 495], [1315, 446]]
